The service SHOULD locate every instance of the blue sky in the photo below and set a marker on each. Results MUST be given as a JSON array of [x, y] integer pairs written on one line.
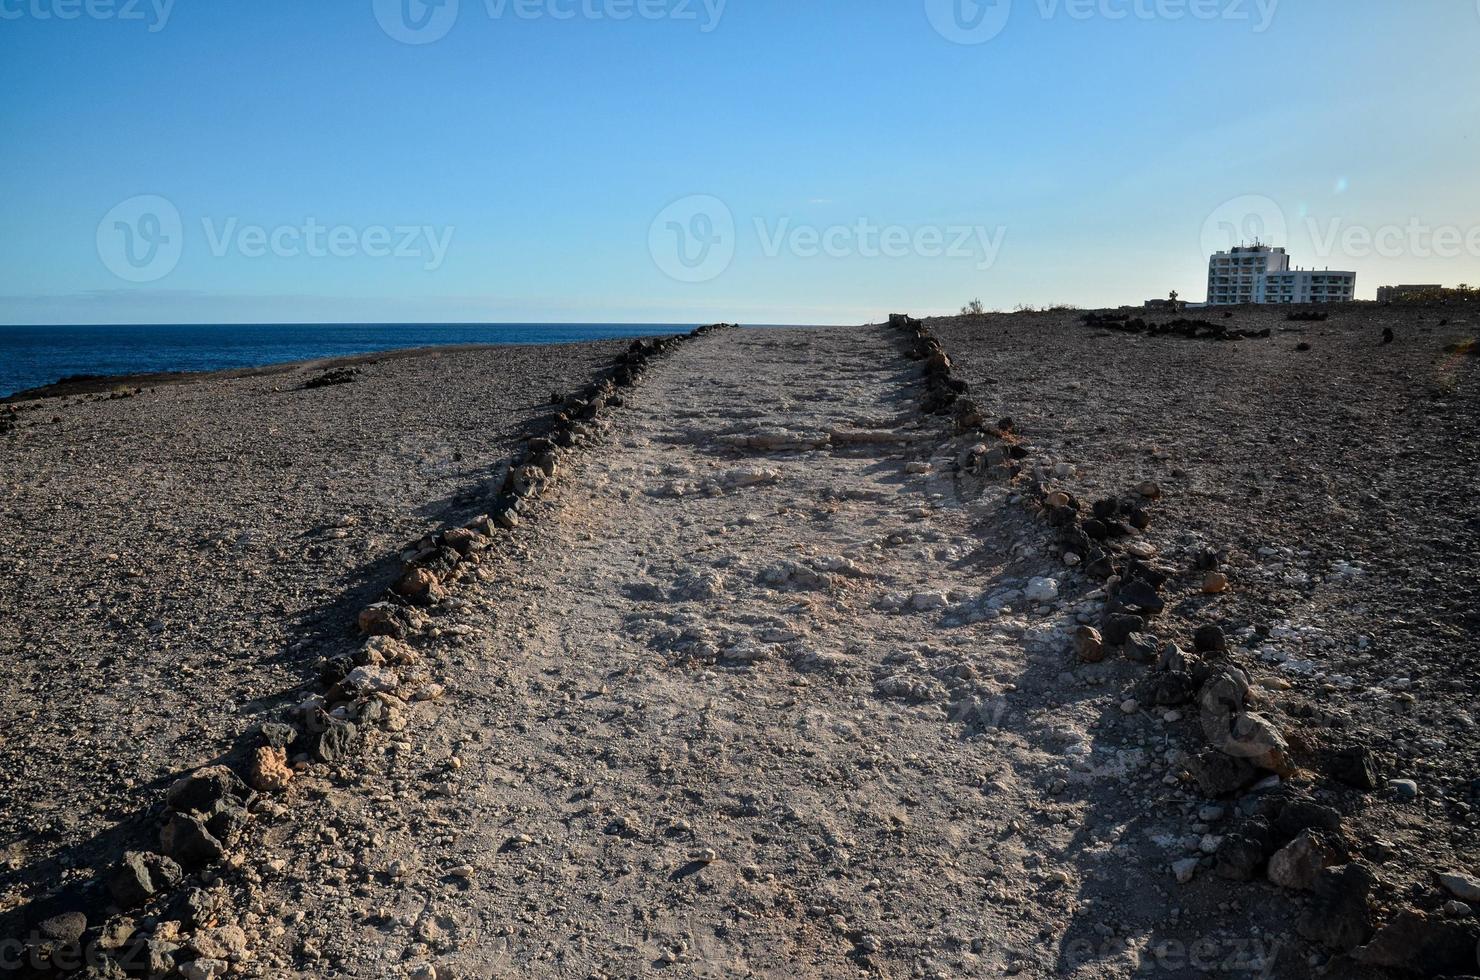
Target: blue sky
[[840, 159]]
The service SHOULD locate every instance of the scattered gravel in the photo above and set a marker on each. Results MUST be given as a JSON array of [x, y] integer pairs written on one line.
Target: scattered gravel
[[175, 561]]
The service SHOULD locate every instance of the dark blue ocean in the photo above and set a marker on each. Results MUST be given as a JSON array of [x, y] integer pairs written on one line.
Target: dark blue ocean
[[32, 356]]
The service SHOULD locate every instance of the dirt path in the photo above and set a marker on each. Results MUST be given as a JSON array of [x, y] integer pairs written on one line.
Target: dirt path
[[758, 695]]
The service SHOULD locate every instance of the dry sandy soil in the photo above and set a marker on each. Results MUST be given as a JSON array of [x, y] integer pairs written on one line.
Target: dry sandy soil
[[768, 686]]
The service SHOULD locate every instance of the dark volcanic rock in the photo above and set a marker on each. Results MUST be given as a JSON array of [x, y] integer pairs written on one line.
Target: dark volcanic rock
[[208, 790], [329, 739], [1339, 917], [148, 957], [1210, 639], [227, 823], [1426, 945], [1219, 774], [66, 927], [1142, 647], [1118, 627], [1136, 594], [1244, 850], [1171, 688], [141, 874], [1356, 766], [1173, 660], [278, 735], [186, 839], [334, 669], [1297, 816], [194, 908]]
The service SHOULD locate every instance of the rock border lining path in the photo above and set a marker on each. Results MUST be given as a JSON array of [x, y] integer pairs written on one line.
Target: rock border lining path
[[206, 816], [1287, 836]]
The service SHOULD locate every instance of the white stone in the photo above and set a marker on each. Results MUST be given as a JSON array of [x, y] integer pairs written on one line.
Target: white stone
[[203, 969], [381, 679], [1461, 886], [1042, 590]]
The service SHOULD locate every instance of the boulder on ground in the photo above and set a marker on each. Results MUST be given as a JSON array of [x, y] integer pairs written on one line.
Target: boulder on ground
[[382, 619], [326, 738], [206, 791], [1356, 766], [420, 584], [1142, 647], [1256, 737], [1219, 774], [1297, 865], [1339, 917], [1243, 851], [1140, 596], [1089, 645], [1294, 817], [1464, 887], [1118, 627], [140, 875], [1423, 944], [186, 839], [1210, 639]]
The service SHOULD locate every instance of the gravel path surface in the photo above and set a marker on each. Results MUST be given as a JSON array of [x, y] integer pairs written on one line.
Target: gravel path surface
[[783, 676], [761, 694], [175, 561]]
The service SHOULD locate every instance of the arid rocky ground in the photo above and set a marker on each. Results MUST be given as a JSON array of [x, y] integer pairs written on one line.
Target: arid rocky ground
[[774, 679], [176, 561]]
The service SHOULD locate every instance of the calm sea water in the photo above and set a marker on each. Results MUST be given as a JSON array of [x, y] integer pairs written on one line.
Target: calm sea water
[[31, 356]]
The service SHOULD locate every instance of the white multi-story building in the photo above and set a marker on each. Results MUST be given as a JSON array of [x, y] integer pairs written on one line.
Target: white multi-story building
[[1307, 286], [1262, 274], [1234, 276]]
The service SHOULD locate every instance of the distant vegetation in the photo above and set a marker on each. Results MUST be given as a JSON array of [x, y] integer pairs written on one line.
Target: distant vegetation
[[975, 308], [1050, 308], [1463, 292]]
